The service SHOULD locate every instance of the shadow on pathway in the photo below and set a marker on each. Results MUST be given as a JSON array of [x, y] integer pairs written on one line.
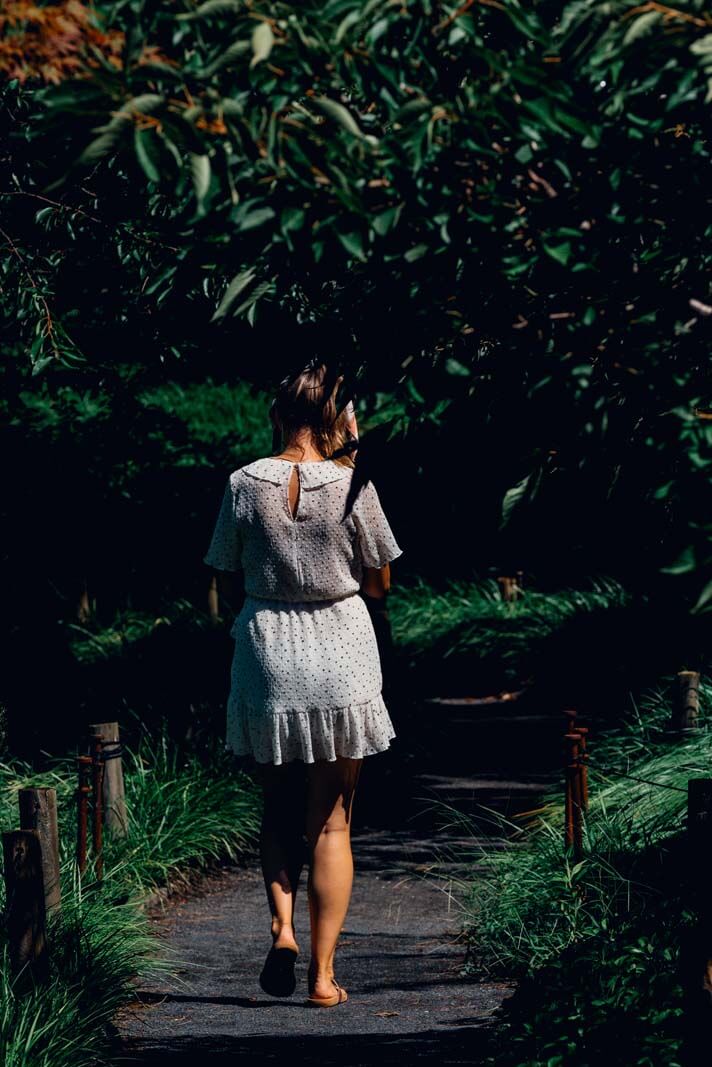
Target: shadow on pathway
[[400, 955]]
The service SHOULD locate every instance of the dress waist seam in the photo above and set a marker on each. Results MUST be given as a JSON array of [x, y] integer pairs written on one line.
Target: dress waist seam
[[282, 600]]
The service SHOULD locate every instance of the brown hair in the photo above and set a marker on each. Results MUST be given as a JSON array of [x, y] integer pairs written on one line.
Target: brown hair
[[309, 399]]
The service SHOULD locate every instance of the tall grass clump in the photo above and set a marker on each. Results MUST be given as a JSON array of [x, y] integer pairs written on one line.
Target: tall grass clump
[[596, 943], [472, 617], [183, 815], [99, 943]]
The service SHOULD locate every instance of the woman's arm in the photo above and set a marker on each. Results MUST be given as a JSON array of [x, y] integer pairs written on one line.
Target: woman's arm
[[376, 580], [374, 589], [225, 587]]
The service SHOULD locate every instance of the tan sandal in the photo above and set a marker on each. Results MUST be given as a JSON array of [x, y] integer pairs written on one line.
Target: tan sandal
[[339, 997]]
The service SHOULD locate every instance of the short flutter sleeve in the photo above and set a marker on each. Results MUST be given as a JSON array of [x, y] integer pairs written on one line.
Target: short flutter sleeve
[[376, 541], [226, 544]]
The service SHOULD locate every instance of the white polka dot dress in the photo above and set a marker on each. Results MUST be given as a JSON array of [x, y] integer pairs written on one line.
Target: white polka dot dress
[[306, 674]]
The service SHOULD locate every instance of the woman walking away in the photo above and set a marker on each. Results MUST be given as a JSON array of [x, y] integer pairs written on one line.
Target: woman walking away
[[306, 696]]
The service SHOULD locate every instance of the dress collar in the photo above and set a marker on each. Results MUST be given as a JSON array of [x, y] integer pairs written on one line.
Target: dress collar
[[313, 474]]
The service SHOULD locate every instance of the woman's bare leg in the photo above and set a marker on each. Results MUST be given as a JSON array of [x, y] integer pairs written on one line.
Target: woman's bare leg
[[282, 844], [330, 792]]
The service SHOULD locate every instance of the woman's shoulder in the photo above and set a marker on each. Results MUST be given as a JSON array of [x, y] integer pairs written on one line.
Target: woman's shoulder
[[265, 468], [278, 471]]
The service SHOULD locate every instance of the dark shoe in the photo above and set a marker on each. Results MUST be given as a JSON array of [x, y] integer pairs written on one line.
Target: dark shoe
[[277, 977]]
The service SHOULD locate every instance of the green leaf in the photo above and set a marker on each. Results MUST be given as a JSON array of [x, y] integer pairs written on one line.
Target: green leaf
[[292, 218], [413, 109], [684, 564], [114, 131], [543, 110], [161, 70], [353, 243], [663, 491], [262, 43], [45, 213], [454, 367], [147, 153], [339, 114], [561, 253], [234, 51], [416, 252], [345, 25], [256, 218], [387, 220], [519, 493], [200, 175], [213, 7], [108, 141], [640, 26], [704, 601], [414, 391], [238, 284], [702, 46], [251, 299]]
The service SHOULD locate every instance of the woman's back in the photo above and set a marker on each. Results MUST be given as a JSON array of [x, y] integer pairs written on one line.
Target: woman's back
[[313, 554]]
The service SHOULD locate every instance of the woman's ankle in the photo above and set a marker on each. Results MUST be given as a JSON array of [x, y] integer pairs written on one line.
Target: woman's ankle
[[317, 973], [282, 931]]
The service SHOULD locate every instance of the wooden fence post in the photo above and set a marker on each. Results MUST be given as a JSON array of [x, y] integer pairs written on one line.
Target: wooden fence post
[[570, 742], [582, 732], [38, 811], [686, 702], [83, 791], [84, 606], [213, 599], [696, 956], [573, 819], [570, 716], [114, 799], [509, 587], [25, 912], [98, 805]]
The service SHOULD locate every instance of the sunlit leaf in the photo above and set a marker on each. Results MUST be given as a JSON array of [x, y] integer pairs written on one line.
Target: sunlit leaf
[[213, 7], [519, 493], [338, 113], [237, 286], [200, 175], [262, 42], [147, 153]]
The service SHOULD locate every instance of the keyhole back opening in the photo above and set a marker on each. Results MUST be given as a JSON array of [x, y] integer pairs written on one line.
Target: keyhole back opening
[[294, 493]]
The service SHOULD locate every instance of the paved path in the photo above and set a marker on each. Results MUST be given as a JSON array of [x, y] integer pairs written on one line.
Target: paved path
[[400, 955]]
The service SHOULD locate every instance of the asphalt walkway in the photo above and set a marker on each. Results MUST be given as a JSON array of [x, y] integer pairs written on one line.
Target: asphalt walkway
[[400, 955]]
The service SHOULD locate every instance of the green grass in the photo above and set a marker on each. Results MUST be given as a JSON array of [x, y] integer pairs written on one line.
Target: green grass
[[473, 613], [596, 942], [93, 642], [181, 816], [99, 943], [469, 616], [236, 417], [216, 413]]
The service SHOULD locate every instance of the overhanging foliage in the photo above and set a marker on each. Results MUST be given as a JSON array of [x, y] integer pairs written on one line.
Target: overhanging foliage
[[499, 209]]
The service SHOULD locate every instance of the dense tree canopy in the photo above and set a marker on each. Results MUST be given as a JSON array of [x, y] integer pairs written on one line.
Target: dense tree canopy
[[500, 212]]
